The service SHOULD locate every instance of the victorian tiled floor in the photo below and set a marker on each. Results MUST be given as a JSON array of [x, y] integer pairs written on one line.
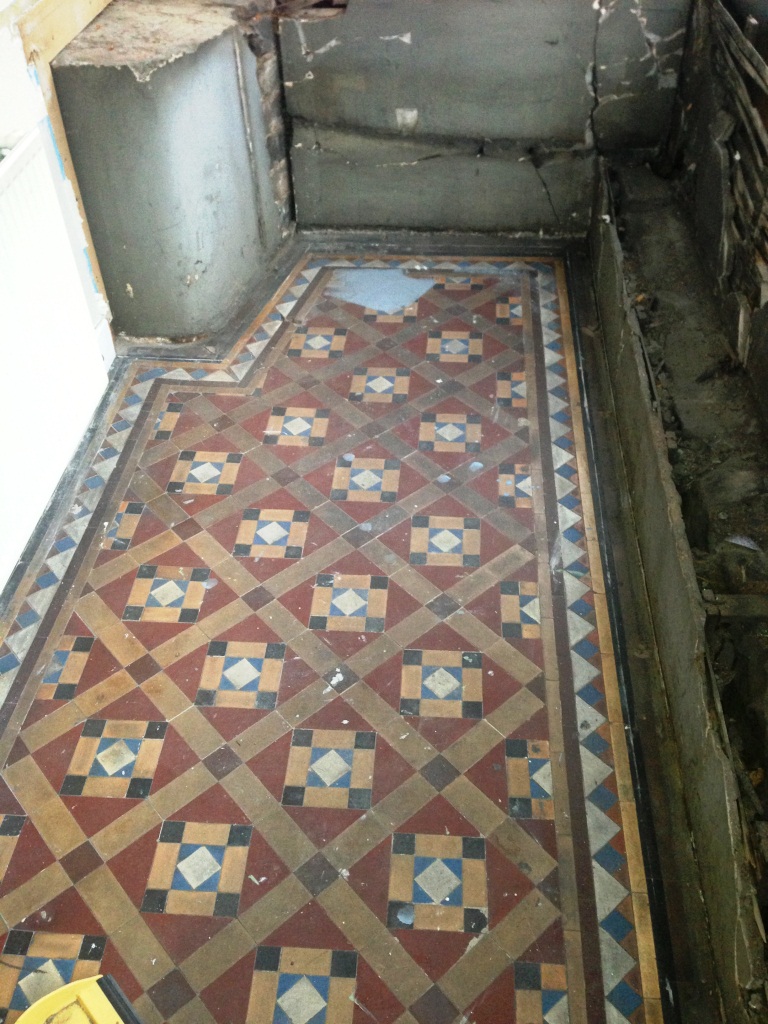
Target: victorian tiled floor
[[313, 708]]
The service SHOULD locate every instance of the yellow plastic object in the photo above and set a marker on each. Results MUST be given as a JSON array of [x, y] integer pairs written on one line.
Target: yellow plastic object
[[80, 1002]]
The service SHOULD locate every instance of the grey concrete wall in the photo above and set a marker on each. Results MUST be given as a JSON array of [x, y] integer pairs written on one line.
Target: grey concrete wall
[[678, 615], [391, 84], [173, 167]]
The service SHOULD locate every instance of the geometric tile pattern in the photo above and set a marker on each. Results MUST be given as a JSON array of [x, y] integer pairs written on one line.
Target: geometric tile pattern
[[204, 473], [435, 776], [438, 883], [166, 594], [317, 344], [445, 540], [520, 616], [442, 684], [541, 993], [529, 779], [349, 604], [407, 315], [114, 759], [330, 768], [167, 420], [302, 986], [10, 830], [198, 869], [241, 674], [296, 426], [271, 533], [450, 432], [511, 390], [515, 485], [380, 384], [124, 525], [65, 668], [366, 480], [37, 963], [454, 346]]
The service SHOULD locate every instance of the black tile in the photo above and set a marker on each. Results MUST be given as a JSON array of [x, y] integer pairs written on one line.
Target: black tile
[[317, 874]]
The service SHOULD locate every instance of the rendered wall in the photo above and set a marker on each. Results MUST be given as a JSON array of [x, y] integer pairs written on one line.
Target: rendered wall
[[473, 113], [163, 114]]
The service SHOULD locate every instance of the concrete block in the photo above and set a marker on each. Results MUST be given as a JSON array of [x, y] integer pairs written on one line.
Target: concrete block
[[352, 180]]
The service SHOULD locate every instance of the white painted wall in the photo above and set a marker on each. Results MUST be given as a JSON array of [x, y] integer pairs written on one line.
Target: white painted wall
[[55, 342]]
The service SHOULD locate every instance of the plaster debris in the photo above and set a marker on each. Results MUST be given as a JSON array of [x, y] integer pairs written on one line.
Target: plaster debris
[[404, 38]]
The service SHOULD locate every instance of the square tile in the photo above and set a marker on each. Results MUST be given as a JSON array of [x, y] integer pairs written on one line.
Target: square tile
[[515, 485], [124, 525], [450, 432], [198, 869], [438, 883], [349, 604], [366, 480], [520, 613], [529, 779], [297, 426], [166, 594], [37, 963], [442, 684], [65, 668], [241, 674], [511, 390], [445, 540], [271, 533], [302, 986], [509, 310], [167, 420], [541, 992], [457, 283], [115, 759], [454, 347], [321, 343], [200, 472], [330, 768], [406, 315], [380, 384]]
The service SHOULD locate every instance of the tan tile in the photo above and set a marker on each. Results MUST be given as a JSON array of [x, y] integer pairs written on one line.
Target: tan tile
[[118, 835], [179, 646], [217, 955], [142, 952], [153, 549], [523, 850], [392, 726], [54, 725], [249, 793], [99, 696], [525, 923], [279, 619], [378, 946], [197, 732], [473, 746], [373, 654], [234, 574], [515, 712], [480, 965], [225, 618], [112, 633], [577, 1008], [259, 736], [34, 894], [111, 570], [285, 837], [405, 632], [194, 1012], [106, 899], [146, 1010], [306, 703], [480, 637], [42, 803], [166, 696], [483, 813], [569, 890], [404, 802], [357, 840], [182, 790], [645, 946], [274, 908]]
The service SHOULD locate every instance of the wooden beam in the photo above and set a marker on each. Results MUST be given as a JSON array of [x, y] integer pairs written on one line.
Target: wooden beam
[[52, 24]]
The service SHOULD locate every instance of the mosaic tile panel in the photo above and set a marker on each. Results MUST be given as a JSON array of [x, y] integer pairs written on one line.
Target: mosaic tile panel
[[65, 668], [292, 985], [373, 480], [442, 684], [381, 384], [330, 768], [201, 472], [35, 964], [114, 759], [272, 533], [166, 594], [241, 674], [349, 603]]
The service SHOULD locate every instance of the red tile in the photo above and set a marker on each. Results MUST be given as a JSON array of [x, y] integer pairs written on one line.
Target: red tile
[[227, 998], [507, 884], [311, 928], [131, 866], [68, 912], [30, 857], [373, 1000], [497, 1003], [176, 757], [490, 776], [549, 948], [112, 963]]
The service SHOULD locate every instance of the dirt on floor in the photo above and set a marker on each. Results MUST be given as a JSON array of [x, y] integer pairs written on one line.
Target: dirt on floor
[[717, 441]]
